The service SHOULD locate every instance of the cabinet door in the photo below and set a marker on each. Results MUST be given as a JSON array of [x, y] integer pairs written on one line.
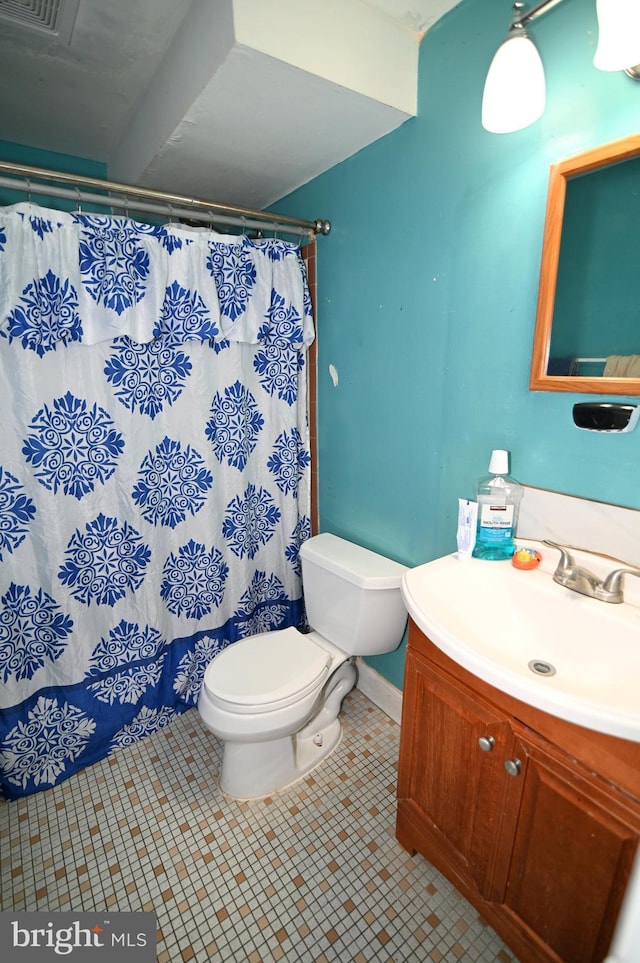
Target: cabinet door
[[572, 855], [462, 789]]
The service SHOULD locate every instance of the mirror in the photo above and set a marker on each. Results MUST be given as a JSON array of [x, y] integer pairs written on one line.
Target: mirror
[[587, 333]]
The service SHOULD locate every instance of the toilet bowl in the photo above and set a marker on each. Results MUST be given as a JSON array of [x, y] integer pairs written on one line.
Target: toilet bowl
[[274, 698]]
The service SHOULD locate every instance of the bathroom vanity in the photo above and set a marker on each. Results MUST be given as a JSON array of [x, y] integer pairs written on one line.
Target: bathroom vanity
[[534, 818]]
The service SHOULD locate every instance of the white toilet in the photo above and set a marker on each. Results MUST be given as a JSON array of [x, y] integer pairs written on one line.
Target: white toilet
[[274, 698]]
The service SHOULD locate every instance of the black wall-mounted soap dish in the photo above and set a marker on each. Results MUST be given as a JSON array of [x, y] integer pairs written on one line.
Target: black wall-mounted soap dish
[[605, 416]]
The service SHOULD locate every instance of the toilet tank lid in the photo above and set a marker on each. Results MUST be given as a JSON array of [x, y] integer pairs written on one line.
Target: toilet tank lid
[[353, 562]]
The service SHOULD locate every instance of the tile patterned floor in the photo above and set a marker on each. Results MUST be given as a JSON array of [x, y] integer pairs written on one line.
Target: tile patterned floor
[[313, 874]]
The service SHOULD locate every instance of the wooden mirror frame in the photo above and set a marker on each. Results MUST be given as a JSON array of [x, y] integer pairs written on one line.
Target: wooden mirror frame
[[560, 173]]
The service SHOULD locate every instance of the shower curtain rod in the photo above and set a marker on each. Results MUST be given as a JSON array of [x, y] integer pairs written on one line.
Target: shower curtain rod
[[150, 201]]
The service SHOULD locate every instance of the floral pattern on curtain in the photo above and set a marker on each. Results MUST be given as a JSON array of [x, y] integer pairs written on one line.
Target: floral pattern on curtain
[[154, 473]]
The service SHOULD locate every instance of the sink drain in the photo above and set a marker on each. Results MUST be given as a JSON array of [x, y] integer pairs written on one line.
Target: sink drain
[[542, 668]]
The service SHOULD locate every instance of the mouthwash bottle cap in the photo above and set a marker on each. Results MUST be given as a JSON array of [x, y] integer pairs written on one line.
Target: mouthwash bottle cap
[[499, 463]]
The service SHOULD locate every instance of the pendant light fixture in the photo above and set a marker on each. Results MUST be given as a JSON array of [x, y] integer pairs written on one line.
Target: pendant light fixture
[[514, 92], [618, 35]]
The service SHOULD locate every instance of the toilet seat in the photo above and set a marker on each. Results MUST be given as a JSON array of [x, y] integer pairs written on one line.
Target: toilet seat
[[266, 671]]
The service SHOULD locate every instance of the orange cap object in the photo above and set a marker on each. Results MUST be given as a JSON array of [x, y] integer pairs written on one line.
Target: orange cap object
[[526, 558]]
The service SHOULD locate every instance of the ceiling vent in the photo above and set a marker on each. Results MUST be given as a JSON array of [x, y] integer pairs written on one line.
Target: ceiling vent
[[53, 18]]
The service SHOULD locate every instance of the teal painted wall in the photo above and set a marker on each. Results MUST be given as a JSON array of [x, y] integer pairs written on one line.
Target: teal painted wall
[[427, 296]]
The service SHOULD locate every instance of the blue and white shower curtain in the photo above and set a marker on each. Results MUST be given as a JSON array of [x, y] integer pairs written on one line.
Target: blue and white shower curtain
[[154, 473]]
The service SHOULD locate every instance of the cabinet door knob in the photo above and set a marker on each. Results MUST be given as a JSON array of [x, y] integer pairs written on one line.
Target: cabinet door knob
[[513, 766], [486, 743]]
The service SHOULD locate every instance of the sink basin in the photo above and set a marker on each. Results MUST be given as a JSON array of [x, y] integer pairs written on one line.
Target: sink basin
[[572, 656]]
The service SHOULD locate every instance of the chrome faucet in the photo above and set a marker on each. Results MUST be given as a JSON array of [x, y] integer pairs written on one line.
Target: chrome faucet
[[581, 580]]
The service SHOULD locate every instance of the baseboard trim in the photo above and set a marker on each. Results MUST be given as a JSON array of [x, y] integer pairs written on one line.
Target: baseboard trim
[[381, 692]]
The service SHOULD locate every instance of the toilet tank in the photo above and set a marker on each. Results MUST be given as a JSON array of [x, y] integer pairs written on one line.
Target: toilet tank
[[352, 595]]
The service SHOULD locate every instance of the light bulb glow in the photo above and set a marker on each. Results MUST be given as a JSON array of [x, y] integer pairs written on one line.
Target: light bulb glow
[[514, 91], [618, 34]]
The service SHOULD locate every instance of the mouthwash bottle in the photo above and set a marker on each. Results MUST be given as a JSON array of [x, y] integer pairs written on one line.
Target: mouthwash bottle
[[498, 500]]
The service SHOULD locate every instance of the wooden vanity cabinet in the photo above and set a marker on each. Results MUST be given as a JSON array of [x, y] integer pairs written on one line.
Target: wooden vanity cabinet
[[535, 820]]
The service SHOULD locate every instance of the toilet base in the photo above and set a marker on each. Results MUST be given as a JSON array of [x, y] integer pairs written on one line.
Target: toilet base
[[256, 770], [252, 770]]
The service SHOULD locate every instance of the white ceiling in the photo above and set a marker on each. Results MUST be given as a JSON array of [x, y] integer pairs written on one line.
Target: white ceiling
[[237, 101]]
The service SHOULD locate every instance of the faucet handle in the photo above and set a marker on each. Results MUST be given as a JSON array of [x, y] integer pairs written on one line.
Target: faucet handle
[[611, 588], [566, 559]]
